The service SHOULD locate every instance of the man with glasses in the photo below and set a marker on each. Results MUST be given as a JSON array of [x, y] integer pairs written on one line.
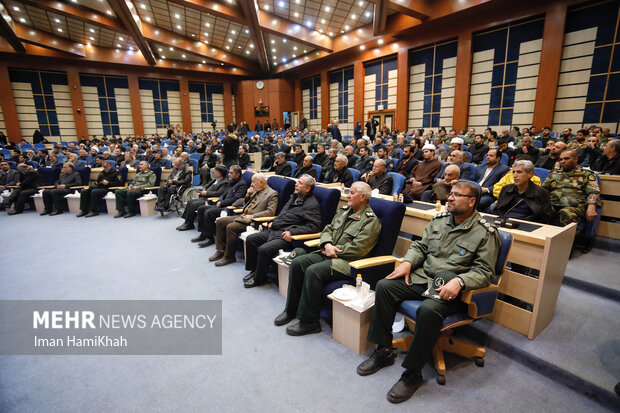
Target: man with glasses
[[457, 251]]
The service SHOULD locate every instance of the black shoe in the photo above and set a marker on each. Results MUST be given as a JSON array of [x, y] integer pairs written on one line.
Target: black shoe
[[92, 214], [130, 214], [225, 261], [185, 227], [57, 212], [45, 212], [205, 244], [199, 238], [381, 357], [283, 319], [247, 277], [81, 214], [120, 214], [13, 212], [302, 329], [405, 387], [218, 254], [253, 282]]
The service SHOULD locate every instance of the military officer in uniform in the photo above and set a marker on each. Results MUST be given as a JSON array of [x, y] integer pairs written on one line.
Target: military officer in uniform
[[458, 247], [574, 191], [365, 161], [351, 235], [126, 198]]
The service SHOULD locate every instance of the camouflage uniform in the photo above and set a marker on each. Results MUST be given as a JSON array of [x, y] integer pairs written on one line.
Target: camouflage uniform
[[574, 145], [571, 192]]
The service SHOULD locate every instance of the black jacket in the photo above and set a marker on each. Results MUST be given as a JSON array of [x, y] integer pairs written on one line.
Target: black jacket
[[112, 177], [301, 170], [230, 148], [321, 158], [210, 160], [344, 176], [409, 164], [536, 198], [299, 216], [547, 162], [605, 165], [185, 178], [235, 191], [478, 152], [244, 160], [217, 189], [31, 180], [283, 169], [383, 183]]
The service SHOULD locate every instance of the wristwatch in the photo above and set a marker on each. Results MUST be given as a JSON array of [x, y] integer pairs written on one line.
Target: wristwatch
[[460, 280]]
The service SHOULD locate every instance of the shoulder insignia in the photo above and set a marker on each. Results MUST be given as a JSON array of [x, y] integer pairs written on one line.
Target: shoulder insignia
[[591, 177], [370, 214], [371, 162], [441, 215], [486, 225], [344, 207]]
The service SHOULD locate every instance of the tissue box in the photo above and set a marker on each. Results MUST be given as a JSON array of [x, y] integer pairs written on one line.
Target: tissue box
[[147, 205], [350, 327]]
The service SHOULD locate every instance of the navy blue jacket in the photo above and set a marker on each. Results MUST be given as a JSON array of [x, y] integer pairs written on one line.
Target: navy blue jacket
[[235, 191]]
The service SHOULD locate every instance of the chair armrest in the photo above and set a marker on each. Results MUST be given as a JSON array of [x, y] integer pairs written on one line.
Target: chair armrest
[[150, 188], [264, 219], [11, 186], [312, 243], [80, 187], [303, 237], [374, 261], [231, 207], [212, 199], [116, 187], [484, 305], [47, 187], [237, 210]]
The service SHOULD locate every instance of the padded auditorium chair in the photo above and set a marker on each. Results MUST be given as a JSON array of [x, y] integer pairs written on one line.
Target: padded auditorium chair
[[542, 173], [587, 229], [480, 304], [355, 173], [293, 167], [390, 215], [50, 175], [398, 182]]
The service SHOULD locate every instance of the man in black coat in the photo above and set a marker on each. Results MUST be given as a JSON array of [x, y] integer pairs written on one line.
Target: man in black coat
[[230, 148], [243, 158], [300, 215], [549, 161], [524, 199], [90, 197], [478, 150], [406, 163], [378, 178], [321, 155], [280, 166], [27, 186], [8, 176], [181, 176], [206, 162], [214, 189], [207, 214], [371, 128], [609, 162], [365, 161], [53, 197], [306, 168], [339, 173]]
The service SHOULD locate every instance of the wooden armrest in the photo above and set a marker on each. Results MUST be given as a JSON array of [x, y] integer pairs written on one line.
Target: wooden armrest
[[47, 187], [238, 210], [231, 207], [117, 187], [467, 295], [150, 188], [212, 199], [11, 186], [302, 237], [80, 187], [373, 261], [312, 243], [263, 219]]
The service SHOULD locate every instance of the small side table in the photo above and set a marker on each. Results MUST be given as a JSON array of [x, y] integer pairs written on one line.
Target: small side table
[[282, 277], [350, 327], [73, 202], [147, 206], [39, 206]]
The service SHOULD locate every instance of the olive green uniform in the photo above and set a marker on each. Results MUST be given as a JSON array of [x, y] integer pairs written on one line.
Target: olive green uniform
[[127, 197], [356, 234], [468, 250], [571, 192]]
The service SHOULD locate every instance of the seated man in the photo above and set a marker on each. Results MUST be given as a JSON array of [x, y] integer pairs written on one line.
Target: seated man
[[550, 160], [300, 215], [609, 163], [351, 235], [423, 174], [90, 197], [129, 161], [456, 158], [351, 156], [457, 245], [574, 191], [207, 214], [306, 169], [339, 173], [260, 201], [321, 156], [181, 176], [8, 176], [53, 197], [487, 175], [214, 189], [126, 198], [378, 178], [27, 186], [280, 166], [406, 164], [365, 161], [524, 199], [243, 158], [441, 189], [478, 150], [508, 178]]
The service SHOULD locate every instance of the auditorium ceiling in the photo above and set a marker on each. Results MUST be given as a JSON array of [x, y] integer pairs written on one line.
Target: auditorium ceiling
[[243, 37]]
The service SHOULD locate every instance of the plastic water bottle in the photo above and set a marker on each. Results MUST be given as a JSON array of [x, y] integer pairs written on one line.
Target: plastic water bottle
[[358, 283], [400, 198], [438, 205], [395, 197]]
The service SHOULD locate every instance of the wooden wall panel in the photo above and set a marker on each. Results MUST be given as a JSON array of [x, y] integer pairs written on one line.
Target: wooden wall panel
[[402, 92], [228, 117], [136, 106], [358, 96], [75, 90], [9, 111], [186, 112], [324, 99], [462, 84]]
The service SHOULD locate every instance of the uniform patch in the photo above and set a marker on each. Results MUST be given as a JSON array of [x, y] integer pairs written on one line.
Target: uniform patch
[[592, 178], [344, 207], [462, 252]]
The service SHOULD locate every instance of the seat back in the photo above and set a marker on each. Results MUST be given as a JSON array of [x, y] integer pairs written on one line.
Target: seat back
[[398, 182], [293, 167], [355, 173], [318, 169], [84, 174], [167, 163], [157, 170], [34, 164], [328, 200], [504, 159], [195, 155], [50, 175], [247, 177], [124, 172], [194, 163], [542, 173], [284, 187]]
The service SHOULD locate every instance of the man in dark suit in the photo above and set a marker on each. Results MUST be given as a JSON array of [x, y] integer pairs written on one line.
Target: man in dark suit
[[230, 148], [53, 197], [27, 186], [214, 189], [280, 166], [487, 175], [181, 176], [300, 215], [90, 197], [407, 162], [321, 155], [207, 214], [339, 173], [8, 176], [378, 178], [336, 132], [456, 158], [307, 168], [243, 157]]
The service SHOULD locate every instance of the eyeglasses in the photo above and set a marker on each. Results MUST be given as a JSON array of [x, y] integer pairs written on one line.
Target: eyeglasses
[[457, 195]]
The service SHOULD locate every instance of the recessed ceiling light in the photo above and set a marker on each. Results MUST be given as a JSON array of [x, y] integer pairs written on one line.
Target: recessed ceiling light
[[193, 35], [331, 34], [118, 45], [179, 26], [367, 14], [230, 40], [346, 27], [206, 34], [294, 56], [92, 38], [247, 31], [275, 57], [266, 7], [238, 47], [160, 49], [15, 8], [176, 16], [354, 16], [227, 47], [273, 50], [247, 52], [221, 64], [322, 21], [131, 48], [183, 56], [305, 51], [57, 20], [60, 30], [284, 59], [204, 61], [109, 12], [294, 47], [163, 57], [21, 19], [309, 23], [172, 49], [380, 41], [207, 24], [251, 46], [148, 19], [88, 44], [121, 39], [320, 30], [143, 6], [213, 50], [296, 14], [283, 40], [362, 47], [327, 9], [297, 1], [272, 41], [281, 4]]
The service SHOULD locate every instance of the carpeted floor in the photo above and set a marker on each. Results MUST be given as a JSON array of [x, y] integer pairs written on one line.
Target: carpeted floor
[[261, 368]]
